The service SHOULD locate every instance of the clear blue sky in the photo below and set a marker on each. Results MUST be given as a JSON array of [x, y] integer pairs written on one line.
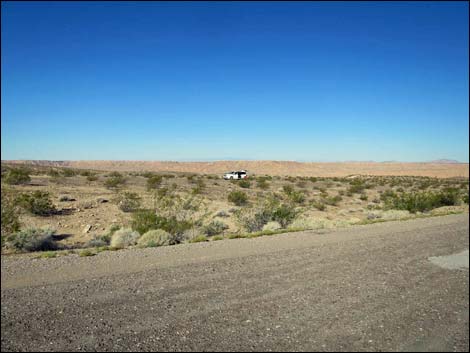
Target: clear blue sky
[[319, 81]]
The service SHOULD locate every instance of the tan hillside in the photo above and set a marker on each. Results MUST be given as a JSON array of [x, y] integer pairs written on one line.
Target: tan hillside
[[333, 169]]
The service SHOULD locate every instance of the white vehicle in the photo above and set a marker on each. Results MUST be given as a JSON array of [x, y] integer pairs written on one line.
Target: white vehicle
[[241, 174]]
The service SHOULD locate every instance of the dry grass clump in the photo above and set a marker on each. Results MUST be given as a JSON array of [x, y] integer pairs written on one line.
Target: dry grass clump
[[154, 238], [124, 238]]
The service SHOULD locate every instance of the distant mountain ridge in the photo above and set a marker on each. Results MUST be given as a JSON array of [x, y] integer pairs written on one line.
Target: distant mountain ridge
[[445, 161]]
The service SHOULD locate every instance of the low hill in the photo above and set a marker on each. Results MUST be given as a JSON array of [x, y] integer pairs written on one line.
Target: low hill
[[333, 169]]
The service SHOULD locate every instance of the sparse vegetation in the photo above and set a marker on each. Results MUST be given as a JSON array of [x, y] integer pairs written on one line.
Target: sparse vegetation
[[114, 180], [128, 201], [244, 184], [10, 214], [31, 239], [239, 198], [38, 203], [154, 181], [168, 203], [17, 176], [214, 228]]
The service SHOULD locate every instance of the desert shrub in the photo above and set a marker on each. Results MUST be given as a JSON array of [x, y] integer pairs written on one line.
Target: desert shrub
[[284, 214], [254, 219], [103, 240], [128, 201], [423, 201], [301, 184], [239, 198], [363, 197], [272, 225], [198, 239], [297, 197], [222, 214], [64, 198], [124, 237], [215, 228], [54, 173], [288, 189], [333, 200], [97, 242], [263, 184], [32, 239], [464, 198], [217, 237], [387, 194], [356, 186], [244, 184], [145, 220], [38, 203], [68, 172], [17, 176], [92, 177], [154, 181], [114, 180], [10, 220], [154, 238], [199, 188], [319, 205]]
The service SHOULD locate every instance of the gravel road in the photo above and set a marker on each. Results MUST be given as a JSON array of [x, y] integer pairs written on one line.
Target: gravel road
[[363, 288]]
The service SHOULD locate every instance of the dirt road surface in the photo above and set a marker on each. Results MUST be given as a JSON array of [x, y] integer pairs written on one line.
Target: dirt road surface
[[363, 288]]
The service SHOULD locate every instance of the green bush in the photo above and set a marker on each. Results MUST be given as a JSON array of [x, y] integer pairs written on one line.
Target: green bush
[[114, 180], [145, 220], [319, 205], [32, 239], [10, 219], [214, 228], [423, 201], [198, 239], [263, 184], [154, 181], [154, 238], [17, 176], [288, 189], [128, 201], [199, 188], [284, 214], [68, 172], [244, 184], [92, 177], [356, 186], [297, 197], [38, 203], [254, 219], [333, 200], [464, 198], [363, 197], [239, 198]]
